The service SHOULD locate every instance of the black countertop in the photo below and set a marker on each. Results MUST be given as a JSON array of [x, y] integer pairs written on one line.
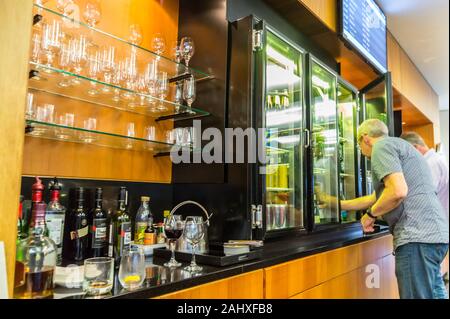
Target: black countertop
[[161, 280]]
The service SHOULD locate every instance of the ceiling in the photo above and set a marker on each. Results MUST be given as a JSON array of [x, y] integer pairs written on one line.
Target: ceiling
[[422, 29]]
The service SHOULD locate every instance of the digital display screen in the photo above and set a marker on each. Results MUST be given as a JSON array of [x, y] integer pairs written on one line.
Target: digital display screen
[[364, 26]]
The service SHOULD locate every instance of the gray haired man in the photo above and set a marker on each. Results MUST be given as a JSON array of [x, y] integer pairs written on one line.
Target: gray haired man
[[405, 198]]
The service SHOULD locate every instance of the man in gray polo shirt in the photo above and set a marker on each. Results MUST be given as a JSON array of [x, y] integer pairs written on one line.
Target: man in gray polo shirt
[[405, 198]]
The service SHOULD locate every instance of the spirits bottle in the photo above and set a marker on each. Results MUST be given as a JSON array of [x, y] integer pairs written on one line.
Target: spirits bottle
[[79, 229], [98, 237], [141, 221], [122, 227], [54, 219], [35, 260]]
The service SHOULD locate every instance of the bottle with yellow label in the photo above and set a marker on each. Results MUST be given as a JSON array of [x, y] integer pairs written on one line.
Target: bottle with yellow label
[[142, 220]]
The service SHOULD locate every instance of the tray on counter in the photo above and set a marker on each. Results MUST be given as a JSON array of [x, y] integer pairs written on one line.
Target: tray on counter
[[213, 257]]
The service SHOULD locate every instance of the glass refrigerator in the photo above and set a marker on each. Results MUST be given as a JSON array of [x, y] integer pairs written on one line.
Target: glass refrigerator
[[281, 114]]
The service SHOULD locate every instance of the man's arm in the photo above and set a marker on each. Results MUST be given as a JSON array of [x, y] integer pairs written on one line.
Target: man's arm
[[395, 191], [361, 203]]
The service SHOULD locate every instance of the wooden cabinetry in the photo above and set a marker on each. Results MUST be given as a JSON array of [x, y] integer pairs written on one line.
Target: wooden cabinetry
[[327, 269], [245, 286], [15, 19]]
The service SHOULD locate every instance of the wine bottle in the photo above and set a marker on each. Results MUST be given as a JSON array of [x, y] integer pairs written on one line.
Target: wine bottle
[[98, 239], [122, 226], [54, 219], [79, 229]]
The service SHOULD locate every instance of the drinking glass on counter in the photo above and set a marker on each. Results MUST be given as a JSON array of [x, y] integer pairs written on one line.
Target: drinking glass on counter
[[173, 229], [194, 231], [98, 276], [132, 268]]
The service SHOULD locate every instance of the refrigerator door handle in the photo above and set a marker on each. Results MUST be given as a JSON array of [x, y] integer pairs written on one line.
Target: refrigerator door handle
[[259, 220], [307, 139], [253, 215]]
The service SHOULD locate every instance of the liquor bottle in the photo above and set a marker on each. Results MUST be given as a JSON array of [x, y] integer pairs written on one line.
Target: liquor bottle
[[122, 227], [37, 191], [98, 239], [35, 260], [149, 235], [141, 221], [54, 219], [79, 229], [317, 214], [110, 234]]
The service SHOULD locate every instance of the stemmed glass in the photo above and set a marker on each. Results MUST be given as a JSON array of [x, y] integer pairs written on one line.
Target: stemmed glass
[[79, 55], [178, 56], [92, 13], [51, 42], [94, 72], [66, 7], [151, 79], [187, 49], [173, 229], [194, 231], [189, 92], [162, 89], [108, 64], [135, 36], [158, 44]]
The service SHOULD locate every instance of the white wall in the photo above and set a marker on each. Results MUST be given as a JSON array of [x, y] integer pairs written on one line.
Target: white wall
[[444, 132]]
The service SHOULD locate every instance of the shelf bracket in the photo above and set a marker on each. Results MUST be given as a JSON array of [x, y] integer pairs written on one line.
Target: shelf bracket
[[37, 18], [29, 129], [180, 78], [33, 74], [176, 117]]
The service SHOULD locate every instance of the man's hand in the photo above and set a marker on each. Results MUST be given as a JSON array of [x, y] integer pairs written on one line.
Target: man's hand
[[368, 224]]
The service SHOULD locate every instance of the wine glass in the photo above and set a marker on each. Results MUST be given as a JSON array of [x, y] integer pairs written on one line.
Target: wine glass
[[176, 52], [92, 13], [135, 36], [108, 64], [132, 268], [51, 42], [189, 91], [162, 89], [65, 6], [173, 229], [159, 44], [187, 49], [194, 231], [79, 55], [94, 72]]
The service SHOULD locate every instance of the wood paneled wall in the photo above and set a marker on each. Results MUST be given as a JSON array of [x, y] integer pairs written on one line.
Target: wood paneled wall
[[15, 34], [245, 286], [426, 131], [80, 161], [411, 84]]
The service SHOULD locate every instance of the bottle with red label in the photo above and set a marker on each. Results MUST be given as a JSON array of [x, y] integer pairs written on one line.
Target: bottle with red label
[[121, 226], [79, 229], [98, 242]]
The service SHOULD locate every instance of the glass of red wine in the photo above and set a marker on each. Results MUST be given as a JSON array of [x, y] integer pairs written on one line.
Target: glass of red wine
[[173, 229]]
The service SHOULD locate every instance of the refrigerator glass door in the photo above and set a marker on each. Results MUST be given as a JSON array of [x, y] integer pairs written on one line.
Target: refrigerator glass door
[[348, 183], [283, 146], [324, 145], [376, 101]]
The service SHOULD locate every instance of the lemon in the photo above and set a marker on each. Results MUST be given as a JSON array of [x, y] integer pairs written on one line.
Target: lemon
[[132, 278]]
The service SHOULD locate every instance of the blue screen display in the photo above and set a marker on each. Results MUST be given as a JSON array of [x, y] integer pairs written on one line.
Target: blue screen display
[[364, 26]]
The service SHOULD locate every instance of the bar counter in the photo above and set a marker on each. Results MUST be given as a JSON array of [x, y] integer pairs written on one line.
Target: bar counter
[[163, 281]]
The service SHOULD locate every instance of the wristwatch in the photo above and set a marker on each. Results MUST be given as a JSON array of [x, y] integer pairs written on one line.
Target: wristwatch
[[369, 213]]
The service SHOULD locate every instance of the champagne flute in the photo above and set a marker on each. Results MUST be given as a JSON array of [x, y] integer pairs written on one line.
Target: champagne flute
[[173, 229], [187, 49], [189, 92], [94, 71], [108, 65], [51, 42], [163, 90], [194, 231]]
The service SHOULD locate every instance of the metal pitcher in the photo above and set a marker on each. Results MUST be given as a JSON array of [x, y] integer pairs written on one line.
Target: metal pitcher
[[182, 243]]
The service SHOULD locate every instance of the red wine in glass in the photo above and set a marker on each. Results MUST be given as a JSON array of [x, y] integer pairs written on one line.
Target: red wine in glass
[[173, 233]]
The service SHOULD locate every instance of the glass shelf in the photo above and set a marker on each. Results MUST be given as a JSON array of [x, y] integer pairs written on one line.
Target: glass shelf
[[101, 38], [58, 80], [49, 80], [77, 135]]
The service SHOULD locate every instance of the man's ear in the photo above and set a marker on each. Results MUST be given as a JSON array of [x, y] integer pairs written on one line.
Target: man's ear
[[366, 140]]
